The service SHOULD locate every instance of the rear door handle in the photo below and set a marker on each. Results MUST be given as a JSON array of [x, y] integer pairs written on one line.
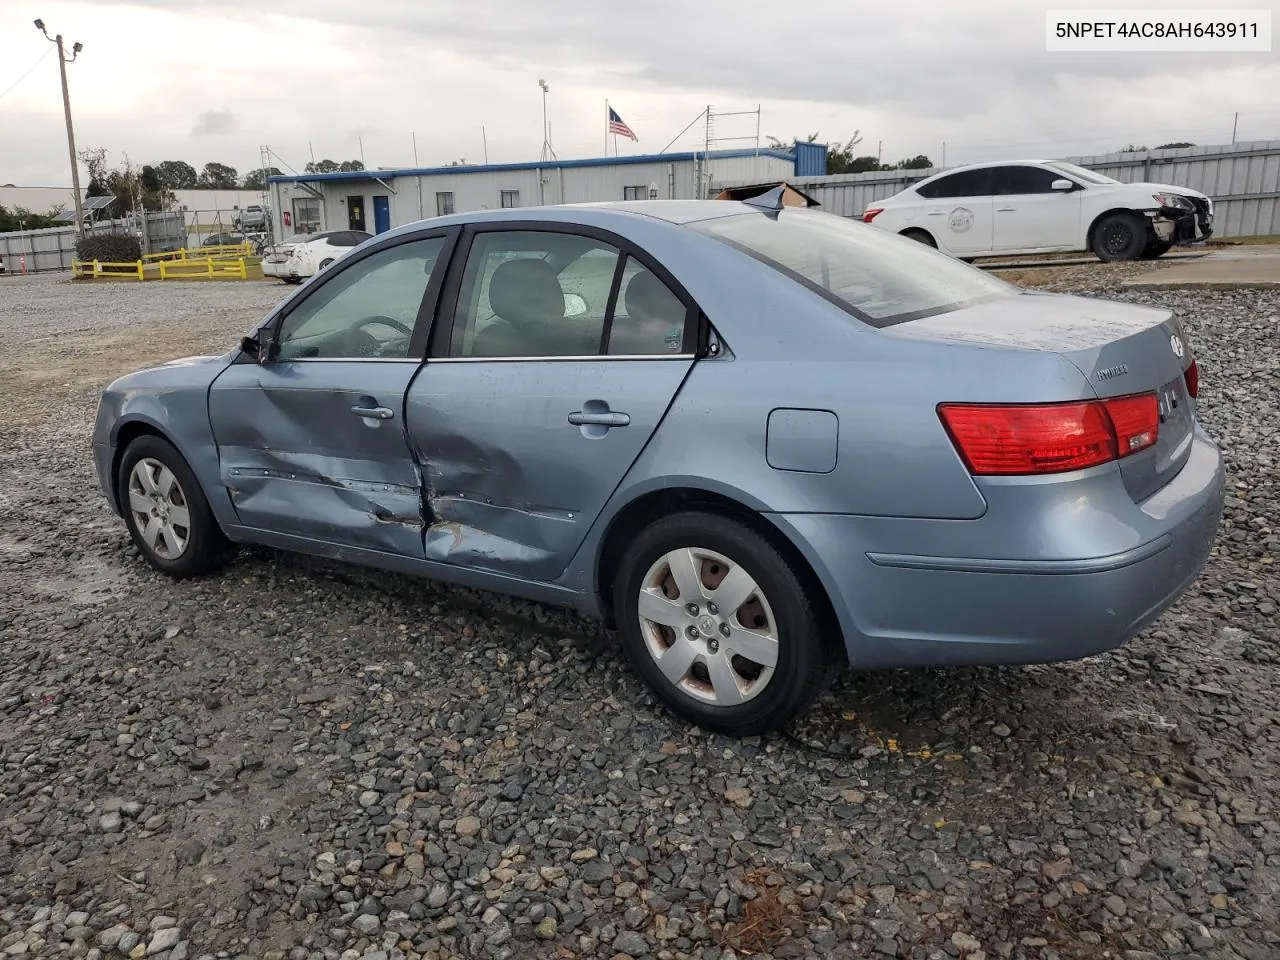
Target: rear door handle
[[610, 418], [377, 413]]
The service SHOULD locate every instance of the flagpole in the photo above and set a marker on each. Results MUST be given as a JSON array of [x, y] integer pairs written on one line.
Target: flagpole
[[606, 126]]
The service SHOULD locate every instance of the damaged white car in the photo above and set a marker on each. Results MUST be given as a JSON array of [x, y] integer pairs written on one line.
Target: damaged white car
[[1044, 206], [306, 254]]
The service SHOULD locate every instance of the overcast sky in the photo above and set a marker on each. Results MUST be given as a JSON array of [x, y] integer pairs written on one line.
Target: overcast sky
[[202, 80]]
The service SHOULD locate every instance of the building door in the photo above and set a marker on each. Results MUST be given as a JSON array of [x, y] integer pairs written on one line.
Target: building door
[[381, 214], [355, 213]]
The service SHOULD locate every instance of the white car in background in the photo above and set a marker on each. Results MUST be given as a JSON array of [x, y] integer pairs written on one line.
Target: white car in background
[[1043, 206], [306, 254]]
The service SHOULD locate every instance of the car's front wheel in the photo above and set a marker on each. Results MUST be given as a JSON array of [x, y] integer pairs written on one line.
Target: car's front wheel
[[166, 512], [1120, 236], [719, 624]]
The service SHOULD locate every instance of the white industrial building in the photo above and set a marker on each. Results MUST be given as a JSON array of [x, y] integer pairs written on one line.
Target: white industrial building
[[377, 200]]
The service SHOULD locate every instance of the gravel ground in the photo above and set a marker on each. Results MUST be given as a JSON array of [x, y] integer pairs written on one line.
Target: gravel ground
[[297, 760]]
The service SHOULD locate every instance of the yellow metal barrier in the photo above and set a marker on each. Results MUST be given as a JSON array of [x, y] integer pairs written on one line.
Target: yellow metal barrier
[[206, 267], [202, 268], [107, 268], [219, 250]]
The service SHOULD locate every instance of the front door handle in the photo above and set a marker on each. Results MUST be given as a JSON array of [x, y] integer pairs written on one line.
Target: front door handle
[[608, 418], [377, 413]]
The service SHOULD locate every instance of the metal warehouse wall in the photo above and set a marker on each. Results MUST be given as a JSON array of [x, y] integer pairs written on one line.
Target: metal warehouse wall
[[412, 198], [1242, 178]]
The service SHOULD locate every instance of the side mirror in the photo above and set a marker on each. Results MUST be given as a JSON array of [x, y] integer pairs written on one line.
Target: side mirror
[[1062, 184], [252, 346], [574, 305]]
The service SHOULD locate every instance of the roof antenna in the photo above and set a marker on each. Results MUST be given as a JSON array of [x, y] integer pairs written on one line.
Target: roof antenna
[[770, 200]]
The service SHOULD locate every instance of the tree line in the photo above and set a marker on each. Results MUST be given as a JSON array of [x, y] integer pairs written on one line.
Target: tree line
[[151, 186]]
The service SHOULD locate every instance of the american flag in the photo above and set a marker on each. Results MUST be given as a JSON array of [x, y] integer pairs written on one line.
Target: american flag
[[617, 126]]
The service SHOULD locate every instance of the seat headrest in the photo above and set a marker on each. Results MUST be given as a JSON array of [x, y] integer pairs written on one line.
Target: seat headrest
[[647, 296], [526, 291]]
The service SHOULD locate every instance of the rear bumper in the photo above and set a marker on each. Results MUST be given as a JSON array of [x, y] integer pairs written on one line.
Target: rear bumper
[[904, 610]]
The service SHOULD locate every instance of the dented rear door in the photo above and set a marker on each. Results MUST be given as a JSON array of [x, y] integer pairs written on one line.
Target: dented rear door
[[312, 443], [530, 412]]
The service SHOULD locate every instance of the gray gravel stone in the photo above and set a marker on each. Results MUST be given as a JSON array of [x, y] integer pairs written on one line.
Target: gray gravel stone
[[390, 760]]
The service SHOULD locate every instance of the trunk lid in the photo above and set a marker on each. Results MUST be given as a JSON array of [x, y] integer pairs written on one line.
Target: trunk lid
[[1120, 348]]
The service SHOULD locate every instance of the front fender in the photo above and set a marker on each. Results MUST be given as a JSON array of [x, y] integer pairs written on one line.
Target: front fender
[[172, 402]]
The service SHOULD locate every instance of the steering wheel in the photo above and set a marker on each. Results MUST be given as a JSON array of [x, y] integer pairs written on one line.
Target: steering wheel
[[362, 344]]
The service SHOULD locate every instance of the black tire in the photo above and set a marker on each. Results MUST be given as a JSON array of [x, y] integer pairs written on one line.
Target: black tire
[[206, 547], [292, 279], [1120, 236], [1155, 250], [325, 263], [803, 658], [921, 236]]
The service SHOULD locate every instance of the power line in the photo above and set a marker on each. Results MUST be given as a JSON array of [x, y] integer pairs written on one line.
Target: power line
[[9, 89]]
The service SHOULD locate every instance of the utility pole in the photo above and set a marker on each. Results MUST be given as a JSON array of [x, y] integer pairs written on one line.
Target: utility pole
[[1235, 126], [66, 107]]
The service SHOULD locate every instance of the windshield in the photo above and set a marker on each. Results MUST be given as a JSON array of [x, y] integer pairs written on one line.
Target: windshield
[[880, 278], [1088, 176]]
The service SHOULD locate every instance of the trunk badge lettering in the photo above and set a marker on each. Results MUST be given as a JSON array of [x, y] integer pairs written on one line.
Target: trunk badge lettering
[[1175, 342], [1109, 373]]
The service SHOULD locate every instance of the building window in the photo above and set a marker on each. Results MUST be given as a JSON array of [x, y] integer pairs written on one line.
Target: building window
[[306, 215], [510, 198], [444, 204], [635, 193]]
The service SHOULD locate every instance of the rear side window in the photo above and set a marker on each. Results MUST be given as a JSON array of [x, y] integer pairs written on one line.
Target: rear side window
[[880, 278], [966, 183]]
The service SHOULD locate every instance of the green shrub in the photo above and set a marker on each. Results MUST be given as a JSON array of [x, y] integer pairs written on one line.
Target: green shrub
[[109, 247]]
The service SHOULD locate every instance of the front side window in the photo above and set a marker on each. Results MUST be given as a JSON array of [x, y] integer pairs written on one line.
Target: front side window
[[366, 310], [444, 204], [1011, 181], [545, 294], [966, 183], [879, 279]]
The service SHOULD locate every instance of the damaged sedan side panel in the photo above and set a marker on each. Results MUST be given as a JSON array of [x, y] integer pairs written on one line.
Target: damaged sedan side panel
[[298, 457]]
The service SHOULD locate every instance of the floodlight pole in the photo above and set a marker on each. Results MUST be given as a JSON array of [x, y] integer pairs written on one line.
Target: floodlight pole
[[66, 108]]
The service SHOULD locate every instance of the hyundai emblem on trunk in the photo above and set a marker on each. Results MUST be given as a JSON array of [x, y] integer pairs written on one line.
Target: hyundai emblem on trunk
[[1175, 342]]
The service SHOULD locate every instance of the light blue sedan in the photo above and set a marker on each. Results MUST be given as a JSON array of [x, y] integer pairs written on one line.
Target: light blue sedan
[[762, 441]]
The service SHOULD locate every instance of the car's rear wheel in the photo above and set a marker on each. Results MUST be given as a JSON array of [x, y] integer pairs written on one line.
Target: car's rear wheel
[[325, 263], [1155, 250], [921, 236], [719, 624], [1120, 236], [166, 512]]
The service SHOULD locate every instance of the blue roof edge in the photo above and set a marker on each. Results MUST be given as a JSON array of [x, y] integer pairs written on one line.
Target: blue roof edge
[[534, 165]]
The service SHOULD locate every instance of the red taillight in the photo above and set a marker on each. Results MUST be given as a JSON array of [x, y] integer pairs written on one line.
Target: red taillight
[[1192, 376], [871, 213], [1007, 440]]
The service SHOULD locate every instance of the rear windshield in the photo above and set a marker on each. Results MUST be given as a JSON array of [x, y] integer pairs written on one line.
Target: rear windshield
[[880, 278]]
